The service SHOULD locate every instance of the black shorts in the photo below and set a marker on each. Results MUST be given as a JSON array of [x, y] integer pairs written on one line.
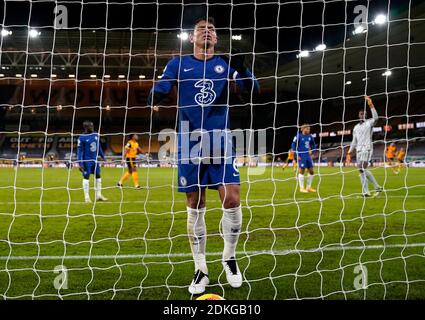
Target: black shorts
[[290, 161], [131, 164], [401, 161]]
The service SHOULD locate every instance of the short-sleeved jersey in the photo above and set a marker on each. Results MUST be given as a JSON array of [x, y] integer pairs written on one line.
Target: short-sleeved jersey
[[203, 98], [291, 155], [400, 155], [391, 151], [131, 149], [348, 158], [303, 144], [88, 147]]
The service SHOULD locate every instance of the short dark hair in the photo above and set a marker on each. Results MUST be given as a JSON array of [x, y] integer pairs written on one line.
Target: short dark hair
[[87, 123], [204, 18]]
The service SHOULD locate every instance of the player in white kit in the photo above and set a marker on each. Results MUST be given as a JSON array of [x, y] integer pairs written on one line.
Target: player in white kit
[[362, 141]]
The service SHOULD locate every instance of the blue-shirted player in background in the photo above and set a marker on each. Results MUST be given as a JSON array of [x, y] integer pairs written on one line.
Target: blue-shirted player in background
[[203, 105], [88, 150], [304, 145]]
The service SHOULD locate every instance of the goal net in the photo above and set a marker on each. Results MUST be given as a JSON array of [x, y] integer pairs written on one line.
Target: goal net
[[310, 229]]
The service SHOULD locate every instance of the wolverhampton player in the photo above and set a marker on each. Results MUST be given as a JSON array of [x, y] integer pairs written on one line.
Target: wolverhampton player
[[289, 160], [401, 154], [131, 150], [391, 155], [348, 159]]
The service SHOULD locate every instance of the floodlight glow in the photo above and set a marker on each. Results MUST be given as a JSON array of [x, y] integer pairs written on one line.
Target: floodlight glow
[[34, 33], [183, 36], [107, 76], [303, 54], [380, 19], [142, 76], [33, 75], [1, 75], [5, 33], [92, 76], [159, 77], [18, 75], [387, 73], [71, 75], [348, 83], [53, 75], [359, 29], [121, 76], [237, 37], [320, 47]]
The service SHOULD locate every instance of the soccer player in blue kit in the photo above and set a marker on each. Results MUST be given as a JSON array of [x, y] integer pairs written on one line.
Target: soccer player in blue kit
[[303, 144], [88, 150], [203, 82]]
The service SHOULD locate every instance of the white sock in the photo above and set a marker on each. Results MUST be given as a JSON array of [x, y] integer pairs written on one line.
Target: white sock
[[363, 180], [98, 187], [309, 180], [231, 224], [301, 180], [86, 187], [372, 179], [197, 232]]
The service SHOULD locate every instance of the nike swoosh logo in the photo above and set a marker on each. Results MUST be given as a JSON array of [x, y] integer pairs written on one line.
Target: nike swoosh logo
[[235, 174], [186, 70]]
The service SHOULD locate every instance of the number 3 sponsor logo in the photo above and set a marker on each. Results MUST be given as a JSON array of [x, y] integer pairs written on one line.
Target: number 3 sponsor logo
[[93, 146], [206, 94]]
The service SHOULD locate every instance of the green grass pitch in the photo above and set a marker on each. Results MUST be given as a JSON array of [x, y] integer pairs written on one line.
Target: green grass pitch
[[134, 246]]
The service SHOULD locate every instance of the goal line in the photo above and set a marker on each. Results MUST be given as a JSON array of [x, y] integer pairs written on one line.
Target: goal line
[[214, 254]]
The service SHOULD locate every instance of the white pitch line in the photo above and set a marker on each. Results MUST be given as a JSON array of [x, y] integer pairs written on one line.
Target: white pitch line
[[212, 200], [240, 253]]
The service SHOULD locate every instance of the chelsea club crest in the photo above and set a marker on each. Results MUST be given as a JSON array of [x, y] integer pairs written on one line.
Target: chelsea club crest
[[219, 68]]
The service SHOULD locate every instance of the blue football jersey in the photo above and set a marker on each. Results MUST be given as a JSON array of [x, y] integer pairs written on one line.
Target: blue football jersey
[[89, 147], [302, 144], [203, 98]]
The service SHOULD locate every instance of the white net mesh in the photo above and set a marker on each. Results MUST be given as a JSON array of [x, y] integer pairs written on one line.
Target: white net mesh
[[66, 62]]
